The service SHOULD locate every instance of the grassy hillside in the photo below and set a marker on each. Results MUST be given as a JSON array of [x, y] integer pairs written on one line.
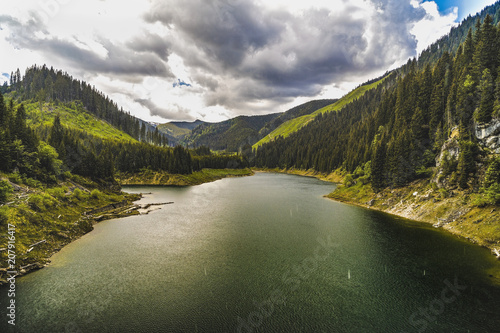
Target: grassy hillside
[[455, 210], [296, 124], [75, 116]]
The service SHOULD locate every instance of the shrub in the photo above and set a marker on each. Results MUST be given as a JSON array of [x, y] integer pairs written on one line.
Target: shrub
[[96, 194], [79, 194], [443, 193], [368, 170], [480, 200], [364, 180], [36, 202], [3, 216], [57, 192], [454, 178], [33, 183], [348, 180], [41, 202], [15, 177], [359, 172], [492, 194], [48, 158], [5, 190]]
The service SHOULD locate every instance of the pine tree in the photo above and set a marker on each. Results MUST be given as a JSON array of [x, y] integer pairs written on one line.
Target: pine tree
[[468, 49], [485, 54], [492, 175], [19, 126], [3, 111], [56, 137], [466, 163], [378, 167], [437, 107], [487, 90]]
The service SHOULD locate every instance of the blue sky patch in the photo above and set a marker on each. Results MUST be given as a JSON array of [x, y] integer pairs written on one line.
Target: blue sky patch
[[181, 83]]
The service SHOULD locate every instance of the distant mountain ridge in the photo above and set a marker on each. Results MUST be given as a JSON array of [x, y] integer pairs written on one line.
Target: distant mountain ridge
[[234, 134], [176, 131], [188, 125]]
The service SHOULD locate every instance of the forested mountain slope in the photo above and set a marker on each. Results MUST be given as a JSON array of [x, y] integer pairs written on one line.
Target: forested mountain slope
[[42, 85], [79, 130], [450, 42]]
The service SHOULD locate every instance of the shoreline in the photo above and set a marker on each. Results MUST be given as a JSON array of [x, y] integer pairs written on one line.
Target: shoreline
[[160, 178], [334, 177]]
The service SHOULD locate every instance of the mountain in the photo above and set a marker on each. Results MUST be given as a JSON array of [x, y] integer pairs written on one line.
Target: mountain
[[457, 35], [63, 148], [188, 125], [177, 131], [408, 116], [295, 124], [52, 124], [43, 85], [233, 134]]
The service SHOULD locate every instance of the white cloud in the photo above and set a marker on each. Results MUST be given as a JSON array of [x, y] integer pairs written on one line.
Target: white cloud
[[433, 26]]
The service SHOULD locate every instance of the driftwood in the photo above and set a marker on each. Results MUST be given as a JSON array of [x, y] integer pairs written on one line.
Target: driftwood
[[108, 207], [38, 243], [146, 206]]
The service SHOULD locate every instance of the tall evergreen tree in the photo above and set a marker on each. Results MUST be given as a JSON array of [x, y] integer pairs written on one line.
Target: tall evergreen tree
[[487, 91], [56, 137]]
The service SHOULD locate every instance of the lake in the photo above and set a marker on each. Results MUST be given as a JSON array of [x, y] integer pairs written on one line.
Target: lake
[[266, 253]]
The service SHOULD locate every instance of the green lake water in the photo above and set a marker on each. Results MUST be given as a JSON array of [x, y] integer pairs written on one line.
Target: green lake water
[[260, 254]]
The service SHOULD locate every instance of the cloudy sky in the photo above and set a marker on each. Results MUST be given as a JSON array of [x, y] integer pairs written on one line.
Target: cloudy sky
[[169, 60]]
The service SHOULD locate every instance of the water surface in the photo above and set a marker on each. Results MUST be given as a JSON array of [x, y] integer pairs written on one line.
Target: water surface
[[261, 254]]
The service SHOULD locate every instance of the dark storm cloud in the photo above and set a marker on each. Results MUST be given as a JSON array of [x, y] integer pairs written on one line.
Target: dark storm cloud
[[119, 61], [148, 42], [274, 54], [176, 113], [223, 31]]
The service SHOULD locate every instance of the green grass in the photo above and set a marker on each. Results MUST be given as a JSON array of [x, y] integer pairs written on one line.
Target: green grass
[[296, 124], [358, 193], [73, 117]]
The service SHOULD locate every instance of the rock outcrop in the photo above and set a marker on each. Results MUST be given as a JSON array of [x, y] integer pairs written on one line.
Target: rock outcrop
[[489, 134]]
